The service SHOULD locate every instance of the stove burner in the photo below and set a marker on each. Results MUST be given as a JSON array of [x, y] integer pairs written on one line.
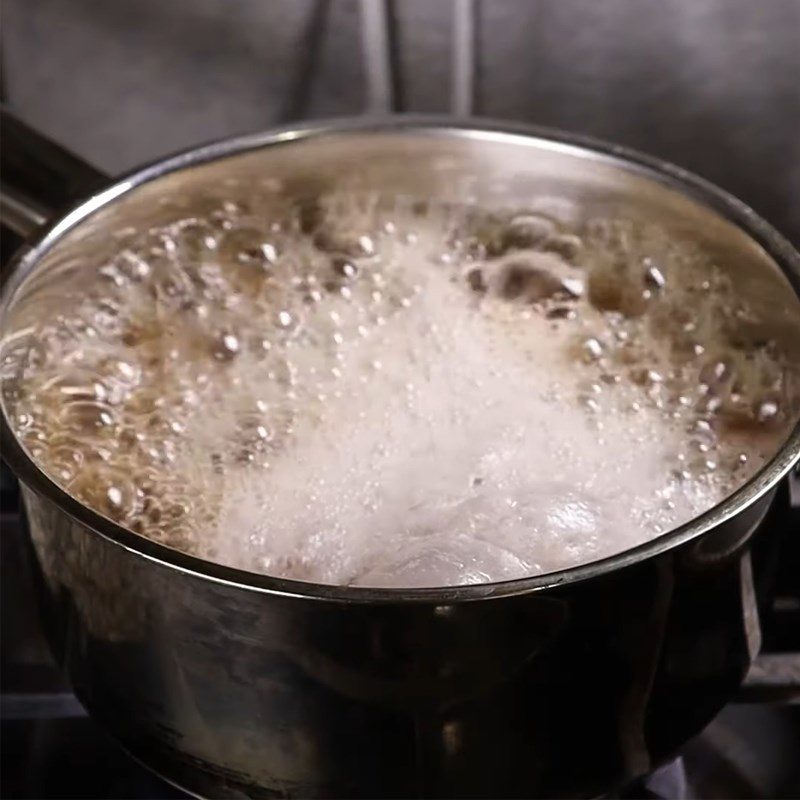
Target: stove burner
[[668, 782]]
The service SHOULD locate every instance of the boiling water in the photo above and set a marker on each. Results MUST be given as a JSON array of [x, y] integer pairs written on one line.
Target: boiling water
[[370, 390]]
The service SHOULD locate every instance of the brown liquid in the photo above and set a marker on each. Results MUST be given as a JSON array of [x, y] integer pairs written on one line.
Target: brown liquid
[[366, 390]]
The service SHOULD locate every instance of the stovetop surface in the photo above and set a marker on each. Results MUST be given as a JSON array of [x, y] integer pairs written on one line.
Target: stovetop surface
[[52, 749]]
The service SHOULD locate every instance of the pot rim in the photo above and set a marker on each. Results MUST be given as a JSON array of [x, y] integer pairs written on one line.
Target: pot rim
[[728, 206]]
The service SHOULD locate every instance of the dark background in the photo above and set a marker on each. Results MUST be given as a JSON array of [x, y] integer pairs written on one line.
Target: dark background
[[713, 85]]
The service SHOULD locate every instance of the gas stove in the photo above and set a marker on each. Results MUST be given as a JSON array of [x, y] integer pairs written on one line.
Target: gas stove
[[52, 749]]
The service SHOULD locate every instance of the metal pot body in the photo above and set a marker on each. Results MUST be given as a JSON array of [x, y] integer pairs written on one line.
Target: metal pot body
[[232, 684], [547, 693]]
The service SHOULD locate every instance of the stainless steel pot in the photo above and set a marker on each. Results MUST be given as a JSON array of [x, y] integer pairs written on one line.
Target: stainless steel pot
[[235, 684]]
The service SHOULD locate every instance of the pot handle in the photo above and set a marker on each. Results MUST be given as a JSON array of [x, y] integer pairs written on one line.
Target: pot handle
[[39, 177], [774, 677]]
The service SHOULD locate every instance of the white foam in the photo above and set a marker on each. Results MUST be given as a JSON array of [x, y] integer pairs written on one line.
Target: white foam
[[401, 427], [464, 458]]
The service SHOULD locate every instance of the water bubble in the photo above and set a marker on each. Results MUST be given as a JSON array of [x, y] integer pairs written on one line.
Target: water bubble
[[475, 280], [568, 246], [195, 240], [767, 410], [247, 247], [591, 404], [653, 277], [572, 287], [114, 497], [79, 386], [23, 421], [87, 416], [646, 377], [561, 312], [225, 346], [523, 280], [110, 273], [715, 375], [65, 462], [527, 230], [345, 268], [106, 489], [344, 243], [592, 349]]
